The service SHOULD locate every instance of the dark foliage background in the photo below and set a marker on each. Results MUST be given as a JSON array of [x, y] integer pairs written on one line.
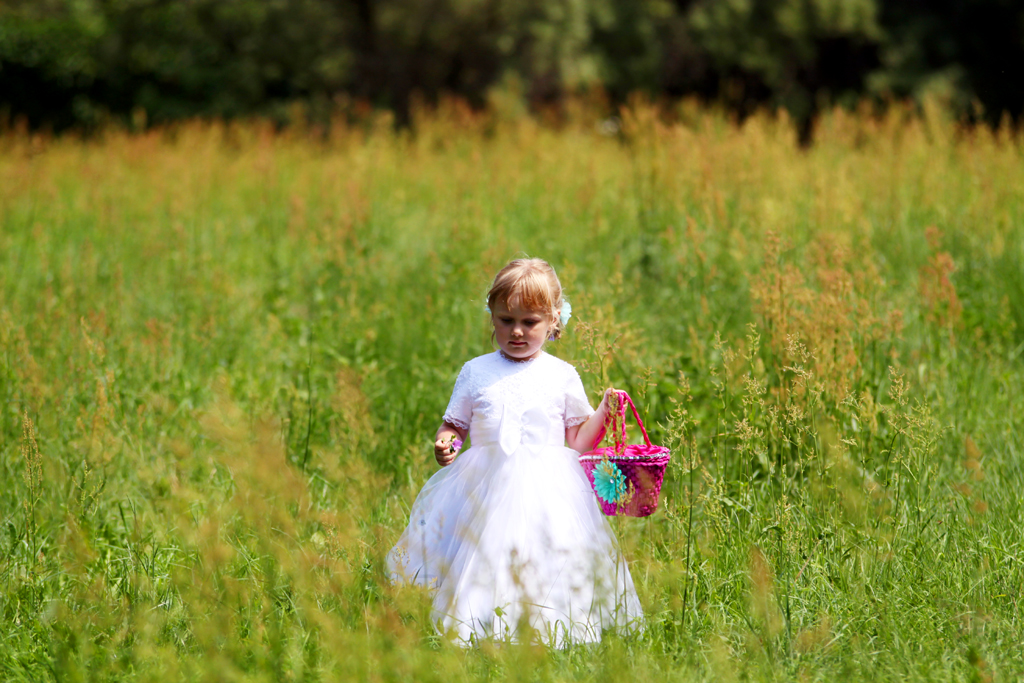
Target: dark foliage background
[[81, 62]]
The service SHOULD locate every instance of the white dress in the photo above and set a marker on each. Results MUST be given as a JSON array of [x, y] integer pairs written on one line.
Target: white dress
[[511, 533]]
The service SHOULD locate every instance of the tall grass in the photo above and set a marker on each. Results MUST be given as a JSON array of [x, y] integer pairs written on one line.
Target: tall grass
[[225, 350]]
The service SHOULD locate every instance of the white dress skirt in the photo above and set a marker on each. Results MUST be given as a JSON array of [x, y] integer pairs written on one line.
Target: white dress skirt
[[510, 537]]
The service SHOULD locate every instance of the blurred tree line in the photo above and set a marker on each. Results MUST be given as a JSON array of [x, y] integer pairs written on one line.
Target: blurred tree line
[[81, 62]]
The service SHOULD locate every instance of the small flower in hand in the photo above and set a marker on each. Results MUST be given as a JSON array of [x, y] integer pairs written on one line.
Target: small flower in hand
[[445, 449]]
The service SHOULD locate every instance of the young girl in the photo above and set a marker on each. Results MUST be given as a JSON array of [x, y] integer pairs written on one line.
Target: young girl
[[509, 534]]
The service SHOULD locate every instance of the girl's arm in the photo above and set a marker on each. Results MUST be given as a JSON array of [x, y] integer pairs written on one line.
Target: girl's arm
[[443, 443], [581, 438]]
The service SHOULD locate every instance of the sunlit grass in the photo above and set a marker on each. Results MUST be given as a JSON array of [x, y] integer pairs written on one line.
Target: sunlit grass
[[225, 351]]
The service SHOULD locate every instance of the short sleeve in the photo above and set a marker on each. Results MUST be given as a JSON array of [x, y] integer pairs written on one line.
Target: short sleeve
[[460, 407], [577, 407]]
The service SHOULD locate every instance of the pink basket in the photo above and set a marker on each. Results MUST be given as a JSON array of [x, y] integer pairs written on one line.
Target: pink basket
[[642, 465]]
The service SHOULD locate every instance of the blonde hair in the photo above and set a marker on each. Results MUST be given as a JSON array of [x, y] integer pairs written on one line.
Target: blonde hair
[[529, 283]]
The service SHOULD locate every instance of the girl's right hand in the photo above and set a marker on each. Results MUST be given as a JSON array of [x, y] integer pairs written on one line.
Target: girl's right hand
[[445, 449]]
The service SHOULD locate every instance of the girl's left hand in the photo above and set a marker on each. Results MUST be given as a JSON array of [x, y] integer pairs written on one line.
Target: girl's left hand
[[606, 400]]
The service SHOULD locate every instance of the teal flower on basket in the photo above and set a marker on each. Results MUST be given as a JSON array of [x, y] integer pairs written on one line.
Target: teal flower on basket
[[609, 482]]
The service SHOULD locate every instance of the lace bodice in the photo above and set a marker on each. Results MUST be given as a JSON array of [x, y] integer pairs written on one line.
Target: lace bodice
[[490, 386]]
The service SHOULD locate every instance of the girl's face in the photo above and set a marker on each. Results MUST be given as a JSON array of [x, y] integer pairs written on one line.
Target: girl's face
[[521, 333]]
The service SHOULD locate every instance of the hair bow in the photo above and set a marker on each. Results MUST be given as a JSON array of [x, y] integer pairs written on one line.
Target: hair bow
[[565, 313]]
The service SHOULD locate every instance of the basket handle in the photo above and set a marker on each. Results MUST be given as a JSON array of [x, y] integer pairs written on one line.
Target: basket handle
[[623, 399], [620, 438]]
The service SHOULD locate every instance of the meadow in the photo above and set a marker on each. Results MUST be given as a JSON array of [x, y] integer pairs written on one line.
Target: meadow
[[225, 348]]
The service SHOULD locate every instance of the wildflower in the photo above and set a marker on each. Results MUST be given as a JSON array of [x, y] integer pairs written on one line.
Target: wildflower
[[609, 482]]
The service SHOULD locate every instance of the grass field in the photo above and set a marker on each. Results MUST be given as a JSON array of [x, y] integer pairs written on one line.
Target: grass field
[[224, 351]]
